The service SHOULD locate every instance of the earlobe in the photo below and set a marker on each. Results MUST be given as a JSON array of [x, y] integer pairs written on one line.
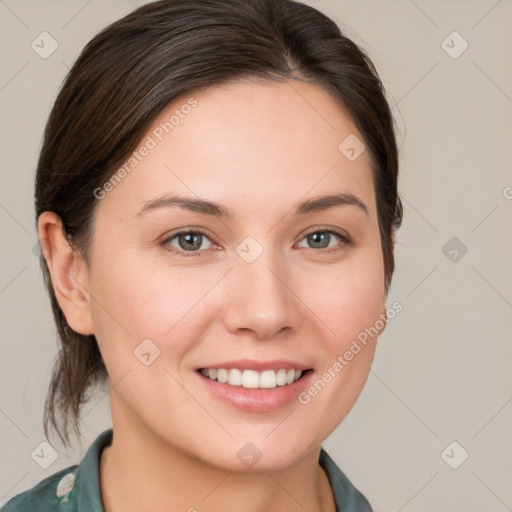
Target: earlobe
[[69, 273]]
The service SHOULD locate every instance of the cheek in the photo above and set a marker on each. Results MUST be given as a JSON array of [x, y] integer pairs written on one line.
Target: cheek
[[139, 299], [349, 302], [350, 299]]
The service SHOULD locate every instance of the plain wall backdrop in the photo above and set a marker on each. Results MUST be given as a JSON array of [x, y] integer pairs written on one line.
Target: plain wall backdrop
[[441, 386]]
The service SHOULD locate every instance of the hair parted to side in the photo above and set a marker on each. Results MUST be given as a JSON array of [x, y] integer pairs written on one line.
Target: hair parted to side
[[132, 70]]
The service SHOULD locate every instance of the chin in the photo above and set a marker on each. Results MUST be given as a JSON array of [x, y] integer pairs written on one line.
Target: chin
[[246, 456]]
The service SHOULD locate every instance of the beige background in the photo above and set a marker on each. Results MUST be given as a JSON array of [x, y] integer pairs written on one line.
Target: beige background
[[443, 367]]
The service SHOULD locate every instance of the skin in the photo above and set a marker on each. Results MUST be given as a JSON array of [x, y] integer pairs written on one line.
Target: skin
[[259, 149]]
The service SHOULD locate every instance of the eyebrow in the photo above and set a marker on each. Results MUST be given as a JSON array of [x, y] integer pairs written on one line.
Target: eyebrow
[[217, 210]]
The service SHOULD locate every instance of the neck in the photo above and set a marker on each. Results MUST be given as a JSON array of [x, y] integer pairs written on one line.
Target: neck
[[140, 471]]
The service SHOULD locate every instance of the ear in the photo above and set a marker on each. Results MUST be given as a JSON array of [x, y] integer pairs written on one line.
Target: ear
[[69, 273]]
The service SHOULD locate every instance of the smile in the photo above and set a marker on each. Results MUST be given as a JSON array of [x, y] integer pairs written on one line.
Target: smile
[[252, 379]]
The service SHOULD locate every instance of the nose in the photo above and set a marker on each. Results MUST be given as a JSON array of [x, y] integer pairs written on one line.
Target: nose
[[262, 302]]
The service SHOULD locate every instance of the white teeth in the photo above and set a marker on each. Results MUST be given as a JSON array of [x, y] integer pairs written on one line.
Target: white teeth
[[252, 379], [281, 377], [234, 377], [222, 376], [268, 379]]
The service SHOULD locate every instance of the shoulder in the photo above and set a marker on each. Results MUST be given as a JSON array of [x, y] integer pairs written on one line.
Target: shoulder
[[74, 488], [52, 493], [347, 497]]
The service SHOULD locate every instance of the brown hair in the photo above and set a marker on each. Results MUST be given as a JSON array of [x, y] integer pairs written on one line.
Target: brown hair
[[133, 69]]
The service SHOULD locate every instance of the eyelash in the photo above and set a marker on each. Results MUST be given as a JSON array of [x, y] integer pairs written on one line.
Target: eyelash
[[346, 241]]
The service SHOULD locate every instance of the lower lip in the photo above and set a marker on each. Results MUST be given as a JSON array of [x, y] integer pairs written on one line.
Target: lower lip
[[257, 400]]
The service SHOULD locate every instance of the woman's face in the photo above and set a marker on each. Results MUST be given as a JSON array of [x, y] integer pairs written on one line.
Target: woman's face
[[263, 289]]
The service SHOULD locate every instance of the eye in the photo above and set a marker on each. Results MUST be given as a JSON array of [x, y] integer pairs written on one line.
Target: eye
[[187, 241], [191, 243], [321, 239]]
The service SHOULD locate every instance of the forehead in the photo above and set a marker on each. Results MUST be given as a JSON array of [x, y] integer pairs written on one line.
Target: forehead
[[248, 145]]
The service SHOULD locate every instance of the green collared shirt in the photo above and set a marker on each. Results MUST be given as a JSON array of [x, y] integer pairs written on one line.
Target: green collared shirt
[[77, 488]]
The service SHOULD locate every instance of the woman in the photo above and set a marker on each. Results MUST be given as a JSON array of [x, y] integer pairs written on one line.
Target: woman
[[216, 200]]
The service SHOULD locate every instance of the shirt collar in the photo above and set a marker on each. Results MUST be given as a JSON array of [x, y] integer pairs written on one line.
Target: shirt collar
[[346, 496], [87, 480]]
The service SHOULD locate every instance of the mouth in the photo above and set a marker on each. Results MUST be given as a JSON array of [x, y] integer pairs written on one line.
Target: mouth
[[256, 391], [252, 379]]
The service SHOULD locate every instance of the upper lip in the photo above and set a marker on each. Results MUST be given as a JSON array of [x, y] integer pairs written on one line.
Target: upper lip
[[259, 366]]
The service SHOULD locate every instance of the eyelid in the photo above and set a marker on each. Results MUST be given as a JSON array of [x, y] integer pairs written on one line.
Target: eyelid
[[326, 229], [189, 229]]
